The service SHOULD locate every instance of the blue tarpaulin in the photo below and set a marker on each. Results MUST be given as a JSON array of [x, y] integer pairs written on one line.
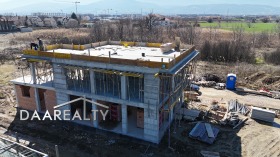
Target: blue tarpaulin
[[199, 132], [194, 87]]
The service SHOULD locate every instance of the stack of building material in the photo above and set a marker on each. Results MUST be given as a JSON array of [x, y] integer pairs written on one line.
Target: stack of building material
[[234, 106], [166, 47], [203, 132], [262, 114], [191, 95], [190, 114]]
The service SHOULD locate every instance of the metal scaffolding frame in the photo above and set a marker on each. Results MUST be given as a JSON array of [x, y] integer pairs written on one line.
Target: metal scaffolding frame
[[135, 88], [12, 148], [179, 81]]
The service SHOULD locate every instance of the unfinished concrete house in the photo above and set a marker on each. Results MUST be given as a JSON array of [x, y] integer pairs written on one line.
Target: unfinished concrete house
[[141, 83]]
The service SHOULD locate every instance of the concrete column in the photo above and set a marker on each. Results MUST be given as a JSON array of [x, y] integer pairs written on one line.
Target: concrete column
[[37, 99], [182, 98], [92, 81], [123, 88], [94, 107], [124, 118], [124, 106], [62, 97], [173, 83], [171, 112], [33, 72]]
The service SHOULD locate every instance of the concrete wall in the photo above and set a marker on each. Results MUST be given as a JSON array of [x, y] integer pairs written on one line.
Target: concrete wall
[[27, 103], [60, 86], [104, 66], [151, 95], [59, 78], [151, 89], [151, 125]]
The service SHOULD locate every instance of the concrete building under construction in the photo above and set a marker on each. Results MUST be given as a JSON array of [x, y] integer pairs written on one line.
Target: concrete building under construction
[[140, 83]]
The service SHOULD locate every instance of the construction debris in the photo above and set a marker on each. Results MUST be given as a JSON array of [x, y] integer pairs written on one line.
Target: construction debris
[[262, 91], [231, 118], [190, 115], [234, 106], [209, 130], [220, 86], [235, 114], [191, 95], [199, 132], [205, 83], [240, 122], [263, 114]]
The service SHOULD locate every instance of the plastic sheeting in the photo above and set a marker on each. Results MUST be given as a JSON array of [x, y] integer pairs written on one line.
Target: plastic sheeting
[[199, 132]]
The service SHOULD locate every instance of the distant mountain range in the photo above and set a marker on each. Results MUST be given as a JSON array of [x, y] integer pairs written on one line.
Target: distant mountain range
[[135, 6]]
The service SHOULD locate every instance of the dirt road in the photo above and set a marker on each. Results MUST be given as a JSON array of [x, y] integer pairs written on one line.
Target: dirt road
[[210, 94]]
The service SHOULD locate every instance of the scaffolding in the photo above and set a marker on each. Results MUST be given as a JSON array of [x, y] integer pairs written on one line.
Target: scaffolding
[[43, 70], [15, 149], [172, 87], [77, 78], [135, 88]]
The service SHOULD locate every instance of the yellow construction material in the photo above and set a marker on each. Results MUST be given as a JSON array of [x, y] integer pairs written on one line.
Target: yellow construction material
[[76, 47], [156, 75], [30, 52], [118, 73], [132, 74], [82, 47], [52, 47], [125, 43], [153, 44], [107, 71], [35, 60], [62, 55]]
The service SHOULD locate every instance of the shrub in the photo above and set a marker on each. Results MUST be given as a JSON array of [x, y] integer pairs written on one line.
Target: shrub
[[227, 51], [273, 58]]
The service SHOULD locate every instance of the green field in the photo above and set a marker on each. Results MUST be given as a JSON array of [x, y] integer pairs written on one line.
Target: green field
[[255, 27]]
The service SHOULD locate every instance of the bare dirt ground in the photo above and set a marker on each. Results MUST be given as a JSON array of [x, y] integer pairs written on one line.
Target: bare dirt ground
[[255, 138], [210, 94]]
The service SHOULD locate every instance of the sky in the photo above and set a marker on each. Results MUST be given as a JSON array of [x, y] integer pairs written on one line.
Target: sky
[[275, 3], [65, 6]]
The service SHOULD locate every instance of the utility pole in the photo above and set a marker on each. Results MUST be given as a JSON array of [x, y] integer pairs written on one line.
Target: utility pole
[[76, 2], [76, 6]]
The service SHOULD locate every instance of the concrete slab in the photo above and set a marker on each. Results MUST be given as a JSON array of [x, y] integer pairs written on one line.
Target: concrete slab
[[117, 51]]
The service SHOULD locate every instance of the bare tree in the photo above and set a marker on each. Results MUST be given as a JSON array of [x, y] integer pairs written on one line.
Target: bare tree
[[238, 34], [120, 28], [150, 21]]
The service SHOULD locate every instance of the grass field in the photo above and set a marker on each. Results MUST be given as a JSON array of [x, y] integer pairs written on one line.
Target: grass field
[[255, 27]]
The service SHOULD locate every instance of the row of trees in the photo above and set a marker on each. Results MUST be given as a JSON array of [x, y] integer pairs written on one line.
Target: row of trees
[[214, 44]]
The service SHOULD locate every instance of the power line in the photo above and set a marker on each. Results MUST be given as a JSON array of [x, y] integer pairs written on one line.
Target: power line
[[76, 2]]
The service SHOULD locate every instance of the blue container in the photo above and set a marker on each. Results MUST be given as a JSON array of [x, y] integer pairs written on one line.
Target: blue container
[[231, 80]]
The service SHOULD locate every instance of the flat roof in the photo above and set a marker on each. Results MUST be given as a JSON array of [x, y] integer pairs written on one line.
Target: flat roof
[[130, 52], [44, 83]]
